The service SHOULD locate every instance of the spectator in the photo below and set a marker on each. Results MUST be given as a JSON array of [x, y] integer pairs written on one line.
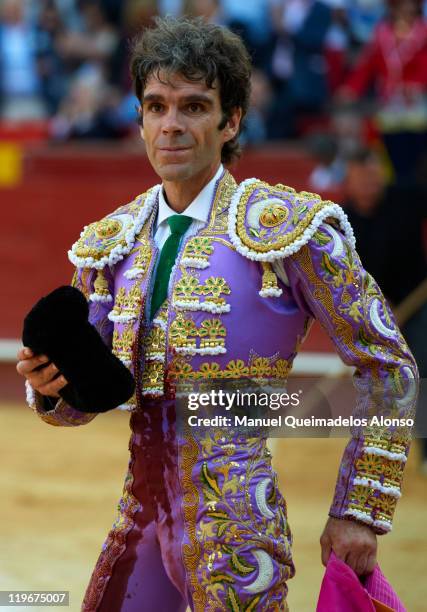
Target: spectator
[[20, 94], [337, 44], [363, 17], [388, 223], [347, 126], [255, 127], [299, 65], [89, 111], [94, 46], [174, 8], [51, 68], [329, 171], [252, 21], [210, 10], [395, 61]]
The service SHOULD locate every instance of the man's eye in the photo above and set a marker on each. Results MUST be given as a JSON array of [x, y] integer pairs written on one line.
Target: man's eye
[[155, 107], [194, 107]]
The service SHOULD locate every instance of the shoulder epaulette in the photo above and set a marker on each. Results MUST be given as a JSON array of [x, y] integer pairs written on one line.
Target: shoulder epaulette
[[107, 241], [269, 222]]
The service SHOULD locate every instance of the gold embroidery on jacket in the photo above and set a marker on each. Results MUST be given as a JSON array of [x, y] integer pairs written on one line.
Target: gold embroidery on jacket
[[261, 367], [127, 304], [123, 344]]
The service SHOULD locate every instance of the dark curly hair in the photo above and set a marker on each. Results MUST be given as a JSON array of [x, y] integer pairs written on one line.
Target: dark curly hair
[[197, 50]]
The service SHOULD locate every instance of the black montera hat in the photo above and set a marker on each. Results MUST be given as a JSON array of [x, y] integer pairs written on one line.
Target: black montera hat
[[58, 326]]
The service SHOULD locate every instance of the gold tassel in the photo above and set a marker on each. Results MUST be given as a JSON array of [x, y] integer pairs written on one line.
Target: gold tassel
[[102, 293], [269, 287]]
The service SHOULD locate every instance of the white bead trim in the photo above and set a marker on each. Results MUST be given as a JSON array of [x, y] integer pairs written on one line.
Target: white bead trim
[[385, 525], [330, 210], [202, 306], [361, 516], [214, 350], [127, 407], [156, 391], [374, 450], [366, 518], [155, 357], [126, 362], [375, 484], [30, 394], [134, 273], [95, 297], [270, 292], [193, 262], [119, 251], [122, 318], [159, 323]]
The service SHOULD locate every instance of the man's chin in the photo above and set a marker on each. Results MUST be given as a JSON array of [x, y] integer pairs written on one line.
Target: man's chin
[[176, 172]]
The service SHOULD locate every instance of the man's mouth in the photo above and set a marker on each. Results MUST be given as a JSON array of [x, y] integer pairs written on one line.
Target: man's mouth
[[174, 149]]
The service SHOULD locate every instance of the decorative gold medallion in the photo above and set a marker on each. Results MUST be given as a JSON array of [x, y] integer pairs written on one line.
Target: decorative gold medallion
[[107, 228], [273, 214]]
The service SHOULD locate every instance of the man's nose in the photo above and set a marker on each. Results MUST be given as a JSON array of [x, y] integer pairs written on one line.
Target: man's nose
[[172, 122]]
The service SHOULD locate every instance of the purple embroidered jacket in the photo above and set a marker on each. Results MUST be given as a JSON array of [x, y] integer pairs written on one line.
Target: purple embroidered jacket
[[242, 296]]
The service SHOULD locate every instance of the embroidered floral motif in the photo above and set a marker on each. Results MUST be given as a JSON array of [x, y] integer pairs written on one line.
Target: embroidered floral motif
[[370, 465], [349, 303], [153, 374], [152, 378], [108, 241], [141, 261], [197, 251], [212, 333], [127, 304], [180, 332], [234, 369], [188, 289], [123, 344], [243, 539], [294, 220]]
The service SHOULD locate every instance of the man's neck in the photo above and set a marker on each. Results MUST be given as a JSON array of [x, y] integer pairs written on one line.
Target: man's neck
[[180, 194]]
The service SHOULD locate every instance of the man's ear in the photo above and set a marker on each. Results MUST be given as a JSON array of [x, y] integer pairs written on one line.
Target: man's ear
[[233, 123], [141, 131]]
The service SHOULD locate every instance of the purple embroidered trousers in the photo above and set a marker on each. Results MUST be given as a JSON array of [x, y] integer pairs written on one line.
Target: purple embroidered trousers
[[201, 523]]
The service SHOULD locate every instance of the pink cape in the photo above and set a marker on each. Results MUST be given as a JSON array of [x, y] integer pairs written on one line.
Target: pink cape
[[342, 591]]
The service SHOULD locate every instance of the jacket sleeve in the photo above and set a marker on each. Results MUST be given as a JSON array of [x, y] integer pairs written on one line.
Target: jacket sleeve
[[329, 282], [62, 414]]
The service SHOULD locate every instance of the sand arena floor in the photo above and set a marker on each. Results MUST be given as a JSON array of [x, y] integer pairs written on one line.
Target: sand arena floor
[[60, 487]]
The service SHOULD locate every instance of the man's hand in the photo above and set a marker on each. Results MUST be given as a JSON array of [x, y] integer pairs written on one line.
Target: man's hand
[[42, 380], [352, 542]]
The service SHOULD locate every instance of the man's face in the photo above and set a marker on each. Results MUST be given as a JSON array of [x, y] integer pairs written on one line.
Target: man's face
[[180, 126], [365, 184]]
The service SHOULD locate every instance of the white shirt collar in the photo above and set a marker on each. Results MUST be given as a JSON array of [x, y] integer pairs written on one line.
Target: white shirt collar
[[198, 209]]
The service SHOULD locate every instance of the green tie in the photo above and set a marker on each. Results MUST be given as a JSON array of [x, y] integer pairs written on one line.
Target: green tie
[[178, 225]]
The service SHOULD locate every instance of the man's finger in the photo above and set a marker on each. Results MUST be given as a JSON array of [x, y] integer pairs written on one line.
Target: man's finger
[[24, 353], [361, 564], [53, 387], [351, 559], [326, 552], [26, 366], [42, 377], [340, 552], [371, 563]]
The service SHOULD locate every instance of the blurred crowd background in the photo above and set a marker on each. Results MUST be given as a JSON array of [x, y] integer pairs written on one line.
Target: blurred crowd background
[[335, 73]]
